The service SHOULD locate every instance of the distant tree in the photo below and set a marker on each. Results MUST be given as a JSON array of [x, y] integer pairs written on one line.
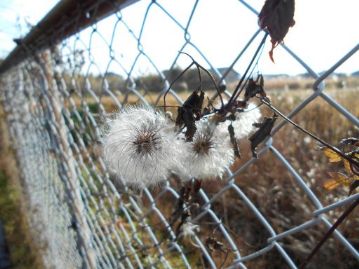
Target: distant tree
[[116, 82], [173, 73], [191, 77], [151, 83]]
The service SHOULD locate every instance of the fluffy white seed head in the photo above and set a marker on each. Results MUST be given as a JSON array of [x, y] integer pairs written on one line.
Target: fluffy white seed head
[[208, 155], [139, 146], [243, 124]]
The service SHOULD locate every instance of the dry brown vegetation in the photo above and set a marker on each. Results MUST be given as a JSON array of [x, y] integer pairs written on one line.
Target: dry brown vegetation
[[277, 195]]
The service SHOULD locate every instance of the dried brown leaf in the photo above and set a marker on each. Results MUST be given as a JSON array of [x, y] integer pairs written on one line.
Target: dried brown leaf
[[347, 167], [332, 155], [276, 17]]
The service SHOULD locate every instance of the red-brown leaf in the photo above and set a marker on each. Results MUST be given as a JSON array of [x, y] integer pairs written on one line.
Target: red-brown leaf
[[276, 17]]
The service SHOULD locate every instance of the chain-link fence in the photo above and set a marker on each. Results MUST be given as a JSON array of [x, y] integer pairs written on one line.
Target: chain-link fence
[[87, 60]]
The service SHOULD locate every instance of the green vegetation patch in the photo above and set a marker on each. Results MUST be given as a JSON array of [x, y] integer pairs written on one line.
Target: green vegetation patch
[[21, 253]]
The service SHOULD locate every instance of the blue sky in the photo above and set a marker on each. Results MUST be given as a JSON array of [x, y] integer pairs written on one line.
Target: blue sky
[[324, 32]]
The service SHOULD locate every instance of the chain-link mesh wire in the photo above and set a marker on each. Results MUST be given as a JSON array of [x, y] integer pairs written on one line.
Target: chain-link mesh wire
[[57, 100]]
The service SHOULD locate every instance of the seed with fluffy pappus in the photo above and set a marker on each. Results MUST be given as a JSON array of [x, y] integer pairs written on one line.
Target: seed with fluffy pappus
[[243, 123], [208, 155], [139, 146]]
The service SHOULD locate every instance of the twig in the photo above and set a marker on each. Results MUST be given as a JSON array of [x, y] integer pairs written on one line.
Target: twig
[[238, 88], [200, 67], [173, 82], [339, 152]]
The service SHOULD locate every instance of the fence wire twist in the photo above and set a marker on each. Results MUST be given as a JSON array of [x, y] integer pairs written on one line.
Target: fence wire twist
[[56, 100]]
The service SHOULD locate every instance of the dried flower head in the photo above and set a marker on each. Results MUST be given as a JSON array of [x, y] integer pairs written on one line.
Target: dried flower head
[[139, 146], [208, 155]]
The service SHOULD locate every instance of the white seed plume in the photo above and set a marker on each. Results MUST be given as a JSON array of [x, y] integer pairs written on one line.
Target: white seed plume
[[139, 146], [188, 230], [243, 124], [208, 155]]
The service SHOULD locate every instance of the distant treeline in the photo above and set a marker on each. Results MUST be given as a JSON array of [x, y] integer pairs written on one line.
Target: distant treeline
[[189, 80], [151, 82]]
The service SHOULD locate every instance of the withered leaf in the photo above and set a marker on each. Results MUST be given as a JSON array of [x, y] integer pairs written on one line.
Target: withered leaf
[[254, 87], [336, 180], [331, 184], [332, 155], [276, 17], [233, 141], [347, 167], [262, 133], [190, 112], [351, 181]]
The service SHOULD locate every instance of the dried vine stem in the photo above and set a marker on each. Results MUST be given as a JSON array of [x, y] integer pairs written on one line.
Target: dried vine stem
[[239, 88], [173, 82], [336, 150], [199, 68]]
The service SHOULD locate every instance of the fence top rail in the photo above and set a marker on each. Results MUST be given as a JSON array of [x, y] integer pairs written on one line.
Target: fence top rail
[[65, 19]]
